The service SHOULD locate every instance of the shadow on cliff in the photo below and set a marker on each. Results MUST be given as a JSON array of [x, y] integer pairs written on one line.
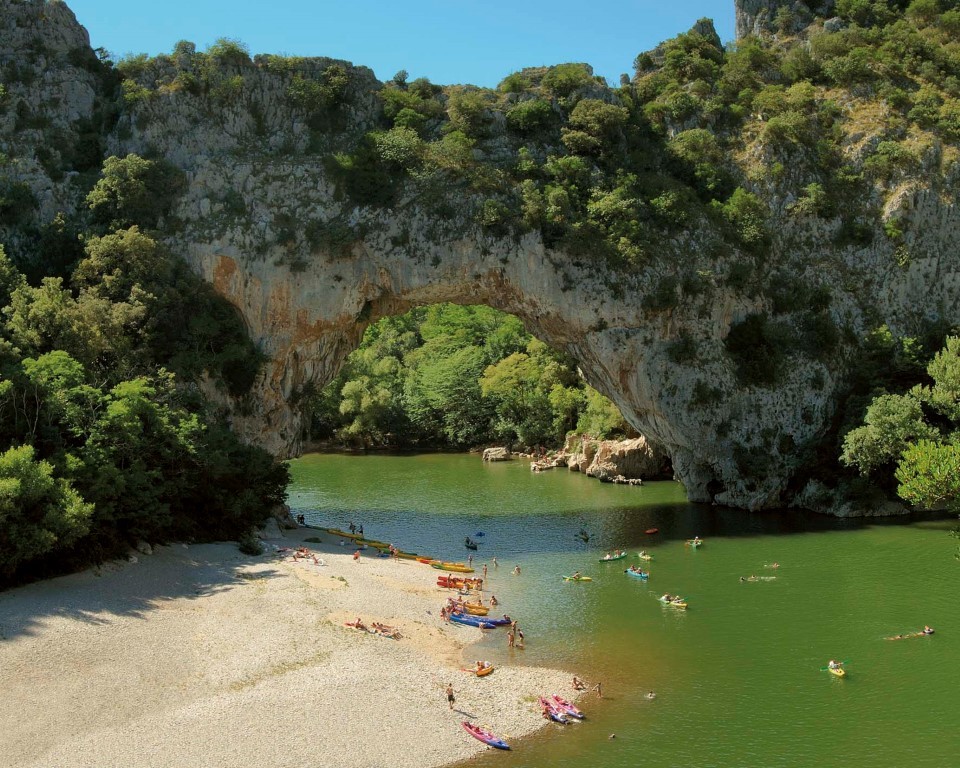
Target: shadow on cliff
[[122, 590]]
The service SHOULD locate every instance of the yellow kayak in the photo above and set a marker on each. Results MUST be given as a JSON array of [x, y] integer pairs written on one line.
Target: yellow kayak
[[838, 671], [476, 609], [344, 534], [456, 567]]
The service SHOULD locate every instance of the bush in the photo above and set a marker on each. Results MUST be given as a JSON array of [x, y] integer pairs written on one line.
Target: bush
[[530, 117], [563, 79], [17, 202], [249, 544], [135, 191]]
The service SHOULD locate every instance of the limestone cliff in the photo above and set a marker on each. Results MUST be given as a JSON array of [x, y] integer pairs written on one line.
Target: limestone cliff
[[274, 217]]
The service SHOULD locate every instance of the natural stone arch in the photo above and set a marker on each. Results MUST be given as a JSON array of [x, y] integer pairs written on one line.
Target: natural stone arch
[[308, 268]]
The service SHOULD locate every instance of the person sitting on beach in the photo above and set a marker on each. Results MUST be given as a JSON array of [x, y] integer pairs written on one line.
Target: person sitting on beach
[[578, 684], [356, 554]]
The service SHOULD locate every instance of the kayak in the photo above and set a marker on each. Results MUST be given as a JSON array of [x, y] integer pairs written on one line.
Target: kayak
[[652, 530], [552, 711], [486, 621], [475, 609], [638, 574], [612, 558], [484, 672], [676, 602], [427, 560], [567, 707], [645, 556], [471, 621], [456, 567], [344, 534], [577, 578], [838, 671], [482, 734]]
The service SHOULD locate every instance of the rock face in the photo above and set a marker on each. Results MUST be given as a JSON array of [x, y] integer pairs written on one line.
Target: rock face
[[496, 454], [634, 459], [753, 17], [265, 222]]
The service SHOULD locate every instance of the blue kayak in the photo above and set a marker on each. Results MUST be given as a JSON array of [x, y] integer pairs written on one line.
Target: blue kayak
[[471, 621], [644, 575]]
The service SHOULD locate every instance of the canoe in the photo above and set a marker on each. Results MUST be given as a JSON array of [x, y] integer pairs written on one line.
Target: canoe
[[567, 707], [344, 534], [455, 567], [645, 557], [839, 671], [475, 609], [652, 530], [482, 734], [611, 559], [472, 621], [484, 672], [637, 574], [427, 560], [465, 618], [408, 555], [681, 603], [552, 710], [577, 578]]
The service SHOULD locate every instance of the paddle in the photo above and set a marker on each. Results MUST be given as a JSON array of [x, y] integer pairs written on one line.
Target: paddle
[[845, 661]]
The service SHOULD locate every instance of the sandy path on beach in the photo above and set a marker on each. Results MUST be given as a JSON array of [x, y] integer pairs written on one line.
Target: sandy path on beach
[[201, 656]]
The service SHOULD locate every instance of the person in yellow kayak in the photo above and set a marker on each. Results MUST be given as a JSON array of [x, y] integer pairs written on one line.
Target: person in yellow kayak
[[832, 664], [576, 575]]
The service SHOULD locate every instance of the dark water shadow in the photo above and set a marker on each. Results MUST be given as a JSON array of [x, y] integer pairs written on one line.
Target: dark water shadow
[[114, 590]]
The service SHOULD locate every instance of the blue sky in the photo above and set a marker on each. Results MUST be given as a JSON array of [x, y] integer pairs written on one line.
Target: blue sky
[[463, 41]]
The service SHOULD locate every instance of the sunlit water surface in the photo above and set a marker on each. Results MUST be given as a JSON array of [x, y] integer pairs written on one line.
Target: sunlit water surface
[[737, 675]]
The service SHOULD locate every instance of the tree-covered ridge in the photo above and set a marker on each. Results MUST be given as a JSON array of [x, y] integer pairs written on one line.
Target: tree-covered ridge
[[448, 376], [105, 436]]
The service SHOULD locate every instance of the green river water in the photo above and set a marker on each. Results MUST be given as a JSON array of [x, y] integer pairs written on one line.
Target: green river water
[[737, 675]]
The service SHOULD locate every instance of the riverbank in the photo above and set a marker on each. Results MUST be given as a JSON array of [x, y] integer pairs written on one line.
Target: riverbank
[[201, 651]]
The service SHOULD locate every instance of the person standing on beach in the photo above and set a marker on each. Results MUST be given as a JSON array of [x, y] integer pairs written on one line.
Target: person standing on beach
[[484, 571], [353, 528], [450, 698], [470, 561], [510, 639], [598, 690]]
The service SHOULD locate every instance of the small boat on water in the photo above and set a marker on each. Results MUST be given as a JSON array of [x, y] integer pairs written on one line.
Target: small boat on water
[[577, 578], [651, 531], [482, 734], [644, 556], [611, 558], [637, 574], [673, 600], [567, 707], [838, 671], [469, 543]]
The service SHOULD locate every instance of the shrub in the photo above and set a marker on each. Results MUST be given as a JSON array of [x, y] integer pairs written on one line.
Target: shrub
[[530, 117], [563, 79], [17, 202], [135, 191]]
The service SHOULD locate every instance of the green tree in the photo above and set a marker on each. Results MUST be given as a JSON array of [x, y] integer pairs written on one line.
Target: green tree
[[39, 513], [135, 191]]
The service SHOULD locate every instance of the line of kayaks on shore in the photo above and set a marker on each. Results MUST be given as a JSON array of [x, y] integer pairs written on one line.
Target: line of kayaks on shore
[[553, 707]]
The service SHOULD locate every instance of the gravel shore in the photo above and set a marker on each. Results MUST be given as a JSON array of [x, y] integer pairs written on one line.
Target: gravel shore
[[200, 656]]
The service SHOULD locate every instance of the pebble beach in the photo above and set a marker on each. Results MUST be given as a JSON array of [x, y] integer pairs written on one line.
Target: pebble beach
[[201, 656]]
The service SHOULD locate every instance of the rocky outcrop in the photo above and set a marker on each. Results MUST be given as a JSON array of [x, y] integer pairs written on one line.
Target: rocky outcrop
[[756, 17], [611, 460], [269, 225], [496, 454]]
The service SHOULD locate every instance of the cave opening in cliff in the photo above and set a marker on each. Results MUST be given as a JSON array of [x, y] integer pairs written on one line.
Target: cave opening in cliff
[[457, 377]]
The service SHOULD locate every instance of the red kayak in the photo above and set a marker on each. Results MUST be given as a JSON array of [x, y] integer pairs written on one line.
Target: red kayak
[[652, 530], [484, 735], [567, 707]]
